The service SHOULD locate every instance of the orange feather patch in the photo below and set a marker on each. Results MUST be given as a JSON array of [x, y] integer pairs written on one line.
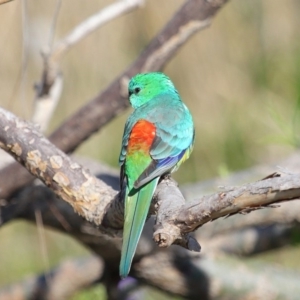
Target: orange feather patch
[[141, 137]]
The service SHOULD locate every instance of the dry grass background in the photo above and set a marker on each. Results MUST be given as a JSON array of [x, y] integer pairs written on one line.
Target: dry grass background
[[240, 78]]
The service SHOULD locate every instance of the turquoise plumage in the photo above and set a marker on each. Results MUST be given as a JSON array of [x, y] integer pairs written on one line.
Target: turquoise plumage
[[158, 137]]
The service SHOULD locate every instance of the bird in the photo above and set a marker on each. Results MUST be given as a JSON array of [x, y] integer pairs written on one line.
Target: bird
[[158, 137]]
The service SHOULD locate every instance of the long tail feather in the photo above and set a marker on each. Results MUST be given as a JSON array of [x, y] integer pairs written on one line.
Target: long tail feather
[[136, 211]]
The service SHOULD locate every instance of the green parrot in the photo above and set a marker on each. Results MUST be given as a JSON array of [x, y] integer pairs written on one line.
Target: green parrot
[[158, 137]]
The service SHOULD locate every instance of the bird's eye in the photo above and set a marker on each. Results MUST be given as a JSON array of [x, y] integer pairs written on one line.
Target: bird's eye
[[137, 90]]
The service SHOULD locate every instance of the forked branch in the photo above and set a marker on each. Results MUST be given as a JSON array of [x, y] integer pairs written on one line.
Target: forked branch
[[99, 203], [193, 16]]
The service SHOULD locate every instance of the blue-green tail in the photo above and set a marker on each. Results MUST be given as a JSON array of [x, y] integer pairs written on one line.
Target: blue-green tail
[[136, 211]]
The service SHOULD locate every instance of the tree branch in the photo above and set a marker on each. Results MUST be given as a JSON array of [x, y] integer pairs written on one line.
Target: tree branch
[[92, 23], [183, 267], [193, 16], [99, 203], [88, 196], [49, 89], [288, 213], [244, 199], [194, 278]]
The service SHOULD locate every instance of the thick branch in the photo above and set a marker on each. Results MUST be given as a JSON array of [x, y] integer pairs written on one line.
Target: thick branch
[[242, 199], [179, 266], [97, 202], [88, 196], [287, 214], [194, 15]]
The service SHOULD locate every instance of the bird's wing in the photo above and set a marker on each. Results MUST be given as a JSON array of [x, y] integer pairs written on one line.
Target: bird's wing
[[172, 144], [135, 153]]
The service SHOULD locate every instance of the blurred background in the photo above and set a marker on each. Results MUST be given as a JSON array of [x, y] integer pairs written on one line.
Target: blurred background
[[240, 78]]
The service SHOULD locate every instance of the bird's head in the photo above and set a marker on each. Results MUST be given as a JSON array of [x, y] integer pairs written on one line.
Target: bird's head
[[143, 88]]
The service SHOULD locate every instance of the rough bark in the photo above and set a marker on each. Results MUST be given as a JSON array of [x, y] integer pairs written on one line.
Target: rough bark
[[288, 213], [99, 203], [183, 273], [181, 266], [193, 16]]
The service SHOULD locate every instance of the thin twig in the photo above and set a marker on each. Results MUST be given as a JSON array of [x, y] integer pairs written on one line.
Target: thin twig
[[92, 23], [192, 16], [99, 203], [49, 89]]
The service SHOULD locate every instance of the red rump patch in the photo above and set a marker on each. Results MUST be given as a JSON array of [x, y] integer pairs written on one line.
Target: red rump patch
[[141, 136]]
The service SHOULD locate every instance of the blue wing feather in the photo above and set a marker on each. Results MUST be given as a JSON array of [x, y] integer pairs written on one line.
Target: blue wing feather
[[171, 160], [174, 136]]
